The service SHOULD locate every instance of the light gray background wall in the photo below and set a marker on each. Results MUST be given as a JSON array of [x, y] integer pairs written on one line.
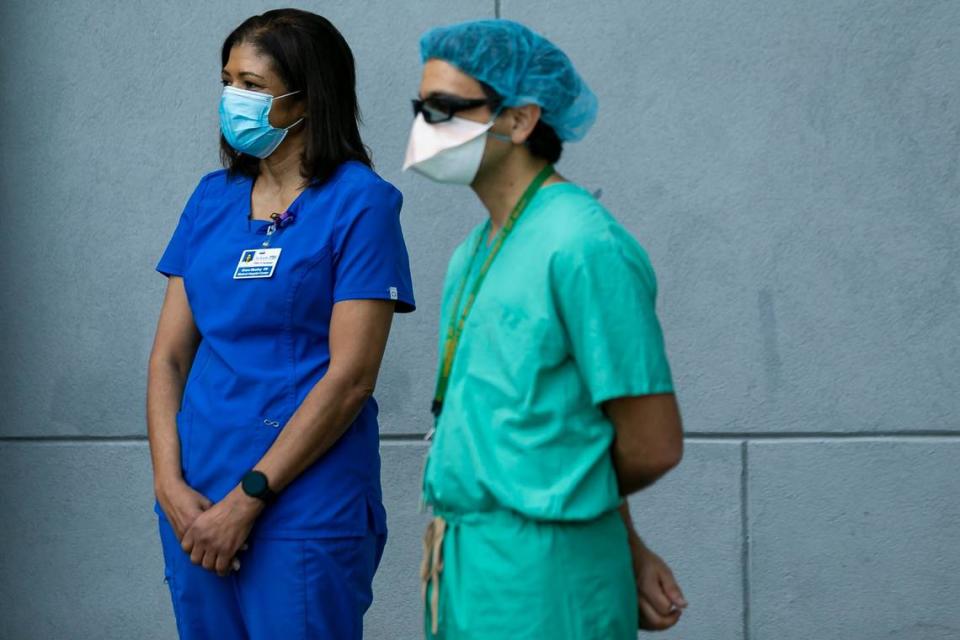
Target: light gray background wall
[[792, 168]]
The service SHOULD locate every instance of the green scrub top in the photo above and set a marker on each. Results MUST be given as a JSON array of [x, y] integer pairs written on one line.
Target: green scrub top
[[565, 321]]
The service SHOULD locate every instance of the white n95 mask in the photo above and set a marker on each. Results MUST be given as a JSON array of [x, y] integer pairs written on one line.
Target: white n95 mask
[[448, 151]]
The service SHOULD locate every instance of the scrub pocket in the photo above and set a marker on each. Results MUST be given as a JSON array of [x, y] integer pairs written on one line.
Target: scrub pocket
[[183, 434], [264, 433], [220, 451], [317, 588], [169, 578], [204, 605]]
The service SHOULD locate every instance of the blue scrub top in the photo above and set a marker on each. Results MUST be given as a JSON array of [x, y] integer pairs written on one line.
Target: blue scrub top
[[265, 342]]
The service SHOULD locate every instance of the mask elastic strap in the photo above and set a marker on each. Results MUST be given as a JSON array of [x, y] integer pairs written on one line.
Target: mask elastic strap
[[298, 121], [293, 125], [493, 134]]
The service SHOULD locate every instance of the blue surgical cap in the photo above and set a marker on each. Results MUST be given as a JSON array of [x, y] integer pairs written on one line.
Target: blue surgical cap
[[520, 65]]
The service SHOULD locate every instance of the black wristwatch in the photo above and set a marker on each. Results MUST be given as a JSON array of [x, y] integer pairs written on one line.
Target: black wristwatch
[[255, 485]]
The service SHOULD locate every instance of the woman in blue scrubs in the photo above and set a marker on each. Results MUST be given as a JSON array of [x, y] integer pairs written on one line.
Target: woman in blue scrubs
[[284, 272]]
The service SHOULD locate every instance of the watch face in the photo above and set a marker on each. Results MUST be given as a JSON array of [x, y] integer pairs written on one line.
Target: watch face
[[254, 484]]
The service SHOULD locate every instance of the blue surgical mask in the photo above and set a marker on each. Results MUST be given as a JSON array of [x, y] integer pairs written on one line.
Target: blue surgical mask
[[245, 121]]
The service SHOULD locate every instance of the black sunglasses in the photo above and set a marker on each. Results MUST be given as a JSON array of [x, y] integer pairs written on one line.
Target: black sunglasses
[[442, 108]]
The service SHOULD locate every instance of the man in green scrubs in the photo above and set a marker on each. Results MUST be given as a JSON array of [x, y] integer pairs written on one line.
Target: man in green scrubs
[[554, 397]]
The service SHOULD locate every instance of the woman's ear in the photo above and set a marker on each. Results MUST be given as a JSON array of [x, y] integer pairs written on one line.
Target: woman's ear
[[525, 118], [302, 108]]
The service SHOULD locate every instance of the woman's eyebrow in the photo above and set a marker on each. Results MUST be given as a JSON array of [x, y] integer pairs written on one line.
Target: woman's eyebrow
[[224, 72]]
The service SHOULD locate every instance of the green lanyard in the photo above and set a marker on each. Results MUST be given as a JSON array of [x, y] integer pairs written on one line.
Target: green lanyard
[[458, 317]]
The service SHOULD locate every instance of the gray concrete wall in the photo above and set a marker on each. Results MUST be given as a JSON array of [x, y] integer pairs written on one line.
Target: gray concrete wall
[[792, 168]]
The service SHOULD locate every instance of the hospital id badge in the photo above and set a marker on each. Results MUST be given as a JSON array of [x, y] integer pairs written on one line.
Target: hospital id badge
[[257, 263]]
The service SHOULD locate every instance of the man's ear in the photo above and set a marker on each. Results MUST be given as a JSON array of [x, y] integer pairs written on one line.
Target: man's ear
[[525, 118]]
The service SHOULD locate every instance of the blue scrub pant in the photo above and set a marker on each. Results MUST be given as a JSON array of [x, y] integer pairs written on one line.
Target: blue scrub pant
[[290, 589]]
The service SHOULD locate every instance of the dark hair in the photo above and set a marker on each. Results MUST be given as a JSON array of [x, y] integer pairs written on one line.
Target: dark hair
[[309, 55], [543, 141]]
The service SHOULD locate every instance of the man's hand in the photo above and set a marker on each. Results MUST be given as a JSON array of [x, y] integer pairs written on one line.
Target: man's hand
[[658, 595], [181, 504], [220, 531]]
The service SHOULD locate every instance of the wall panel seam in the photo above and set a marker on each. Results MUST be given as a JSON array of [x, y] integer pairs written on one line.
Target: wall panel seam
[[690, 436], [745, 535]]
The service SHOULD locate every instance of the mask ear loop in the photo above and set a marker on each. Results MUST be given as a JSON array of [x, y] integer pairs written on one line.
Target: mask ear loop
[[284, 96], [493, 134], [294, 124]]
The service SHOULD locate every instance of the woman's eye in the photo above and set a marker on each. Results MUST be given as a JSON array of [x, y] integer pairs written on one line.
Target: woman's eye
[[250, 85]]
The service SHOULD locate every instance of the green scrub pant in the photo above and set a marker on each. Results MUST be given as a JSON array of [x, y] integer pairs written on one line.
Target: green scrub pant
[[505, 576]]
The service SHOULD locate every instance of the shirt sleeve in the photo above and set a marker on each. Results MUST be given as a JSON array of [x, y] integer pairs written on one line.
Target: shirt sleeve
[[370, 257], [173, 262], [606, 296]]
